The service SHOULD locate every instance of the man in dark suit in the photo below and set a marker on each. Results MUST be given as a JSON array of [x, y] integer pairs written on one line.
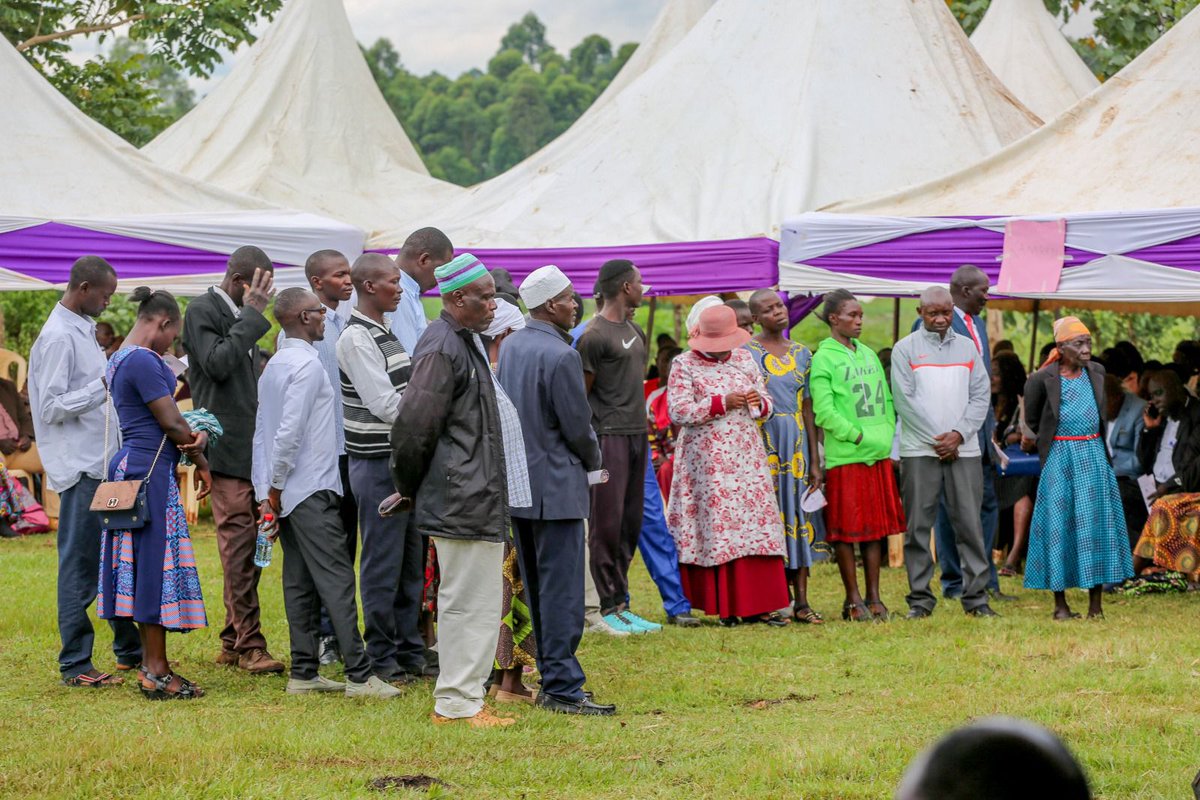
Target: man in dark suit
[[543, 376], [969, 291], [220, 332]]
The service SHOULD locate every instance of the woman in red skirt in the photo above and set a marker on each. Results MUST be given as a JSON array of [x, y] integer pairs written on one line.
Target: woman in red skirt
[[853, 406]]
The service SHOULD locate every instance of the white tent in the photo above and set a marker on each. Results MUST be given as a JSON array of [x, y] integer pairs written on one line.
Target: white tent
[[1121, 167], [674, 22], [69, 187], [1124, 146], [1021, 42], [300, 121], [762, 109]]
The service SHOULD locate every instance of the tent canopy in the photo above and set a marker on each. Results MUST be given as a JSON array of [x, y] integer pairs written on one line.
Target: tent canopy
[[299, 121], [1021, 42], [763, 108], [70, 187], [1133, 231]]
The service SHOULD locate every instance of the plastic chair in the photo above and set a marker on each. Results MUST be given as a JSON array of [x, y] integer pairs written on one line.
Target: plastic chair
[[14, 367]]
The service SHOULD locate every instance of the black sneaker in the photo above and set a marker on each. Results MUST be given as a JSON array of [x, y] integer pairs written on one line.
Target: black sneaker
[[684, 620], [330, 652]]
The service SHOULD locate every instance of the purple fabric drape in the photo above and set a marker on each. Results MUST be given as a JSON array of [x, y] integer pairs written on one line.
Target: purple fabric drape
[[932, 256], [673, 268], [47, 251], [800, 306]]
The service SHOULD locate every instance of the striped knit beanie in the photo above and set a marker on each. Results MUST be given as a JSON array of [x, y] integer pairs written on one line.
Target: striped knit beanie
[[458, 273]]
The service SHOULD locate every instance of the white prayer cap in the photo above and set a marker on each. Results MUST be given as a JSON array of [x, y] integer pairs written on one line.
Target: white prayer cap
[[544, 283], [693, 317], [508, 317]]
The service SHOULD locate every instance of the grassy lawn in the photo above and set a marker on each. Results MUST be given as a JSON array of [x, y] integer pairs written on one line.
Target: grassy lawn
[[847, 707]]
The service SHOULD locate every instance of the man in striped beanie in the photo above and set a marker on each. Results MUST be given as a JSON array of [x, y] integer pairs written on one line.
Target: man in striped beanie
[[458, 460]]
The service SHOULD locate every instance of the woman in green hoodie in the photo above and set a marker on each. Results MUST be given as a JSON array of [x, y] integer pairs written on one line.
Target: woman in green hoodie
[[853, 405]]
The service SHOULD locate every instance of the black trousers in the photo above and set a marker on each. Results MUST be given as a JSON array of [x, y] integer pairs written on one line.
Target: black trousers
[[316, 573], [1134, 507], [349, 514], [616, 520], [551, 554]]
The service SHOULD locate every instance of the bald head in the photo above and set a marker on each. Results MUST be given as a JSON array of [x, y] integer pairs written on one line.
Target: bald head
[[969, 288], [371, 267], [422, 253], [758, 298], [290, 302], [245, 260], [935, 295]]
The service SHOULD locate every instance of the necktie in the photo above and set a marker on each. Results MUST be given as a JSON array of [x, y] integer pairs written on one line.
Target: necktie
[[974, 336]]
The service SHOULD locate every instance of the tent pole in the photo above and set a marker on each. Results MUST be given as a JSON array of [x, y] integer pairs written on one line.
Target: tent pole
[[650, 327], [896, 320], [1037, 307]]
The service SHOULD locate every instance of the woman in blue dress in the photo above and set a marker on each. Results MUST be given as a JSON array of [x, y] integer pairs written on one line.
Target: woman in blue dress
[[149, 574], [791, 450], [1077, 536]]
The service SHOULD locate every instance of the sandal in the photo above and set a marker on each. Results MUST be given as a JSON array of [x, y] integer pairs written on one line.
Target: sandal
[[856, 612], [882, 615], [806, 615], [162, 687], [101, 681], [1070, 615], [1006, 572], [774, 619]]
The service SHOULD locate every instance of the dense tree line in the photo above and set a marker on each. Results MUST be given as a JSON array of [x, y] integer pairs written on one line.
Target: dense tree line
[[483, 122]]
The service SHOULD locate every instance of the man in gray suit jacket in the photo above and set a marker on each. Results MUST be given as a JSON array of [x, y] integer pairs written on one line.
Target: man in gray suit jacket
[[543, 376]]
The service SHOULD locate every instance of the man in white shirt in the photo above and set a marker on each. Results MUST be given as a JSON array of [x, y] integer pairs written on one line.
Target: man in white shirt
[[67, 393], [423, 252], [374, 373], [328, 274], [295, 473]]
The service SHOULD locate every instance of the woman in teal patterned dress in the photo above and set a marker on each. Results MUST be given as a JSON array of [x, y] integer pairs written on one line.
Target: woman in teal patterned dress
[[1077, 538], [791, 451]]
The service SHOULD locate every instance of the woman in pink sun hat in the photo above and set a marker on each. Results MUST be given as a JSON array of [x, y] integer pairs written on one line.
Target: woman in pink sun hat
[[722, 511]]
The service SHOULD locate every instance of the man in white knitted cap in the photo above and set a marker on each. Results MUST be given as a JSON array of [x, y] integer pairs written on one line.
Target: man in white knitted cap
[[543, 376]]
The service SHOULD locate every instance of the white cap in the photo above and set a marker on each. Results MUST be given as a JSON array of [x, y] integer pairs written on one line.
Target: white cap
[[508, 318], [693, 317], [544, 283]]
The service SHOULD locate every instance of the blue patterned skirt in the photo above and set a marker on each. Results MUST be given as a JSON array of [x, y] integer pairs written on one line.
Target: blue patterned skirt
[[149, 575], [1077, 538]]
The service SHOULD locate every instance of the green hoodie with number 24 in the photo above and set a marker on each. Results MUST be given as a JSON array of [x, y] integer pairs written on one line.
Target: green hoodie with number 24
[[850, 396]]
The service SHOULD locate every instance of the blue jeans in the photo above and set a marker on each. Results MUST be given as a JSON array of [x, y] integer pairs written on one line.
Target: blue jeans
[[657, 547], [78, 582], [947, 549]]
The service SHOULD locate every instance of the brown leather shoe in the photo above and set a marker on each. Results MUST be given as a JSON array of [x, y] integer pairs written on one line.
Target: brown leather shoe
[[258, 661], [228, 658], [486, 718]]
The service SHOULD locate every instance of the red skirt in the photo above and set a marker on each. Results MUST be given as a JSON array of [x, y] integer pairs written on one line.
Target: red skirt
[[864, 503], [745, 587]]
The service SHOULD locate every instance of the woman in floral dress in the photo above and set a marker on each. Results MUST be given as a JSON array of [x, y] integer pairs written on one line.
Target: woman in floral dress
[[722, 512], [791, 450]]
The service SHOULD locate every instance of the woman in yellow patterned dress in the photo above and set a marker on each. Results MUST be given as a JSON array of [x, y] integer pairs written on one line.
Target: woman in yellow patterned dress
[[791, 451]]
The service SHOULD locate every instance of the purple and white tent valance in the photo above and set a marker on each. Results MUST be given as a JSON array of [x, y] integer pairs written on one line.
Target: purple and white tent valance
[[1147, 256], [668, 268], [184, 253]]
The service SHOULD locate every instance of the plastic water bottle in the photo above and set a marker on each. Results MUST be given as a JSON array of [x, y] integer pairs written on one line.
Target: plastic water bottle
[[264, 544]]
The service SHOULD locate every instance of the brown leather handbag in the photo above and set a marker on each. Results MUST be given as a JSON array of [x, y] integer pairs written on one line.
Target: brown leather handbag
[[122, 505]]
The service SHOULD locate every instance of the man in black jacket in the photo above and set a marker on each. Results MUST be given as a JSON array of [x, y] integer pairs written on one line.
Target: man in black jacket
[[543, 375], [449, 465], [220, 332]]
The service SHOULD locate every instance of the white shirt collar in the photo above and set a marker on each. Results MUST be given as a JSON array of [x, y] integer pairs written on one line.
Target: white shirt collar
[[81, 321], [221, 293], [296, 344]]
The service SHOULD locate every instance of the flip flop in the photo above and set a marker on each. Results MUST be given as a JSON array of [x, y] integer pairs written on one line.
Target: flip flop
[[101, 681]]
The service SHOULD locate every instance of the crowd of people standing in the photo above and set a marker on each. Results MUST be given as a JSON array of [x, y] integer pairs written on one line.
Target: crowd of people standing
[[497, 470]]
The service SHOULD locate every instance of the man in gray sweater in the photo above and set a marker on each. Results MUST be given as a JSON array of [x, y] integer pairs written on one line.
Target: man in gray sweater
[[941, 391]]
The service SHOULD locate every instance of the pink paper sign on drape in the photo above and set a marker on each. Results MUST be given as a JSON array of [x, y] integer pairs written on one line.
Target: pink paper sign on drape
[[1033, 256]]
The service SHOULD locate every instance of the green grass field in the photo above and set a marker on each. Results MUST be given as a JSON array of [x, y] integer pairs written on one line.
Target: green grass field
[[846, 706]]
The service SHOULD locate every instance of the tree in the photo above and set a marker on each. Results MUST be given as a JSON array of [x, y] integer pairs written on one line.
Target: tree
[[1124, 28], [590, 56], [121, 91], [527, 37]]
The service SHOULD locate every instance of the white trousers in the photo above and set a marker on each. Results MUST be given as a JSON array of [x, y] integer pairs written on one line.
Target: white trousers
[[591, 598], [469, 599]]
